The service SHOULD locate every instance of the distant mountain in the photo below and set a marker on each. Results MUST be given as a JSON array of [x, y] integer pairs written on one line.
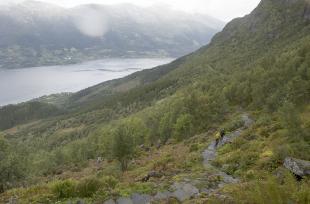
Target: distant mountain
[[35, 33]]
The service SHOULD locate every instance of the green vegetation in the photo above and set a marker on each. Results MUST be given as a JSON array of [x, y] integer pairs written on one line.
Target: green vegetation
[[13, 115], [274, 191], [259, 64], [123, 146]]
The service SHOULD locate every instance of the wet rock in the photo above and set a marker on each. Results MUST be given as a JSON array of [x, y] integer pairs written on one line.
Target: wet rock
[[152, 174], [227, 178], [162, 195], [124, 200], [109, 202], [247, 120], [184, 191], [297, 166], [80, 202], [230, 137], [307, 12], [208, 156], [141, 198], [13, 200]]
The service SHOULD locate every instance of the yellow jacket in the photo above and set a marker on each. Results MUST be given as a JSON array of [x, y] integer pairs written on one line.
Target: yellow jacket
[[218, 135]]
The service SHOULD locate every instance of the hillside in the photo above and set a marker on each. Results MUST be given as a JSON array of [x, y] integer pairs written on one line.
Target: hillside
[[151, 135], [36, 34]]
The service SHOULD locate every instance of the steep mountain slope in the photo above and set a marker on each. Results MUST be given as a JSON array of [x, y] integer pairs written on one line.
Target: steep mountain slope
[[35, 33], [162, 120], [243, 41]]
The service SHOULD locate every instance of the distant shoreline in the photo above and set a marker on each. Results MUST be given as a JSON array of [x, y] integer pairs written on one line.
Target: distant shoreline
[[36, 82]]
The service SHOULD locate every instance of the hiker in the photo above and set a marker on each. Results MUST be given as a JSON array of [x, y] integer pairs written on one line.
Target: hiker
[[219, 136], [222, 133]]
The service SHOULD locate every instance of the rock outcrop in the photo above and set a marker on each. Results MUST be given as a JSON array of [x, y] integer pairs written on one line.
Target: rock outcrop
[[297, 166]]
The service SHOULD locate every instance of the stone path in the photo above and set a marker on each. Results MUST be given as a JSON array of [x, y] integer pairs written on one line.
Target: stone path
[[186, 190], [210, 153]]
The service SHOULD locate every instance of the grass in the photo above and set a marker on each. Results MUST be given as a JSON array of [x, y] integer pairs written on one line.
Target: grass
[[175, 161], [254, 157]]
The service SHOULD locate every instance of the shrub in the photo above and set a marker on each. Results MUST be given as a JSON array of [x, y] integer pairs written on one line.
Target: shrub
[[233, 125], [123, 145], [163, 163], [183, 127], [194, 148], [113, 169], [109, 182], [64, 189], [108, 190], [88, 187], [271, 190]]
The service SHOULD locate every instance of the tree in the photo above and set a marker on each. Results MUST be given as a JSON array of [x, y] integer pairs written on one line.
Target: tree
[[11, 165], [290, 119], [183, 127], [123, 146]]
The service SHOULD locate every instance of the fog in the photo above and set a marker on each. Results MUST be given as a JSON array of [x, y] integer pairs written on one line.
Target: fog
[[222, 9], [90, 22]]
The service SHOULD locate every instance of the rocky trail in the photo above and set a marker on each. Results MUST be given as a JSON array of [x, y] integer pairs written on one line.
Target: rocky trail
[[188, 187], [210, 153]]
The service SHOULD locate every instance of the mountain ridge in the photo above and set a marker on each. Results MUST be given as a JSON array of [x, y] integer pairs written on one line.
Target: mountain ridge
[[47, 37]]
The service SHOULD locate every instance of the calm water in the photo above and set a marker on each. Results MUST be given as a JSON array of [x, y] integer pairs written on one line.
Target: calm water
[[20, 85]]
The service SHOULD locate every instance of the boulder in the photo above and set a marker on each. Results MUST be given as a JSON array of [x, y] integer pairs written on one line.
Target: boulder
[[307, 12], [184, 191], [13, 200], [141, 198], [297, 166], [151, 174], [162, 195], [109, 202], [124, 200]]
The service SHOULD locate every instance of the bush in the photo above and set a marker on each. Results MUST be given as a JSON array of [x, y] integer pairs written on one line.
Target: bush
[[183, 127], [109, 182], [233, 125], [163, 163], [64, 189], [194, 148], [108, 189], [271, 190], [88, 187]]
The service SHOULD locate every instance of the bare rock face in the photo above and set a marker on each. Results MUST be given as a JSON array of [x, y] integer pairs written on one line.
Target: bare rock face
[[297, 166], [307, 12], [109, 202], [141, 198], [184, 191], [124, 200]]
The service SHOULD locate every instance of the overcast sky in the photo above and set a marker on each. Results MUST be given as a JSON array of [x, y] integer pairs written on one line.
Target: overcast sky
[[222, 9]]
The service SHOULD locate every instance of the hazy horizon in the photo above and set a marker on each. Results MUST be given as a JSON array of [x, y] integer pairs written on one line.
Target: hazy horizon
[[224, 10]]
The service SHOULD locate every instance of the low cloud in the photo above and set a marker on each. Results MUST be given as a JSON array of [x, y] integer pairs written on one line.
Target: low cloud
[[91, 21]]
